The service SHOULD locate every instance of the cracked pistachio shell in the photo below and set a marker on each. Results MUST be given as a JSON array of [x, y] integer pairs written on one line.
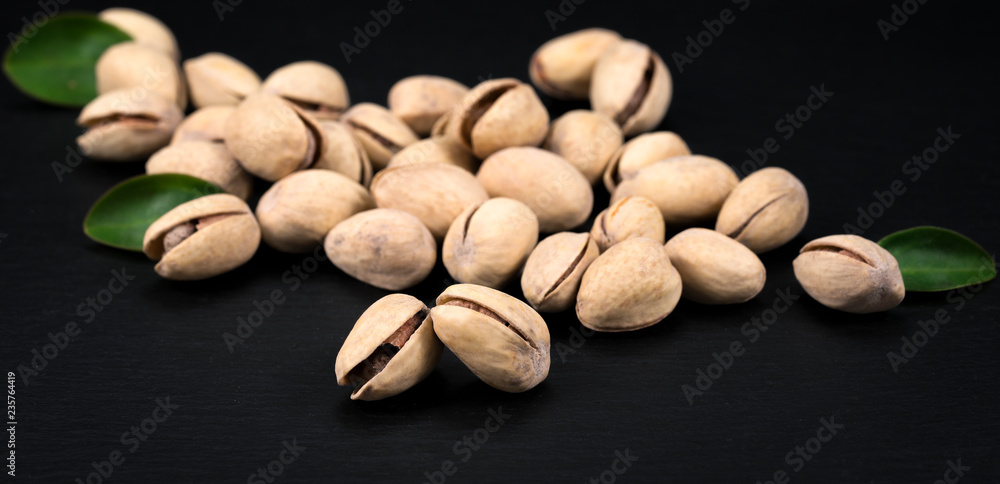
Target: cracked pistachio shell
[[850, 273], [552, 274], [206, 160], [129, 65], [144, 29], [632, 86], [627, 218], [558, 194], [298, 211], [563, 66], [688, 189], [384, 247], [227, 237], [439, 149], [440, 128], [501, 339], [715, 269], [766, 210], [586, 140], [488, 243], [379, 131], [216, 78], [377, 372], [498, 114], [121, 127], [640, 152], [435, 193], [629, 287], [205, 124], [420, 100], [313, 86], [343, 153], [272, 138]]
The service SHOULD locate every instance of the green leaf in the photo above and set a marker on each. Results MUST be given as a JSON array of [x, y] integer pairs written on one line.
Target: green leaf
[[936, 259], [122, 215], [55, 64]]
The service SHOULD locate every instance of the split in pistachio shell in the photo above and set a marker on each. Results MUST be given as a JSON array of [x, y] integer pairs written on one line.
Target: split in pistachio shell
[[121, 127], [272, 138], [563, 66], [488, 243], [298, 211], [629, 287], [313, 86], [715, 269], [765, 210], [420, 100], [142, 69], [144, 29], [501, 339], [440, 128], [586, 140], [206, 160], [632, 86], [439, 149], [688, 189], [343, 153], [642, 151], [435, 193], [850, 273], [499, 114], [205, 124], [216, 78], [379, 131], [202, 238], [391, 348], [627, 218], [386, 248], [552, 274]]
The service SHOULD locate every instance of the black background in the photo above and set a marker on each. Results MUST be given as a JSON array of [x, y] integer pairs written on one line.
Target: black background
[[605, 393]]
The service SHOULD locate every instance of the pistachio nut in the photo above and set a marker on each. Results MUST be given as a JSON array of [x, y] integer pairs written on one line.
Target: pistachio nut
[[765, 210], [435, 193], [850, 273], [715, 269], [130, 65], [627, 218], [439, 149], [440, 128], [488, 243], [552, 274], [144, 29], [629, 287], [498, 114], [343, 153], [121, 127], [642, 151], [420, 100], [501, 339], [379, 131], [205, 124], [202, 238], [586, 140], [209, 161], [316, 88], [688, 189], [391, 348], [298, 211], [563, 66], [272, 138], [384, 247], [632, 86], [215, 78], [558, 194]]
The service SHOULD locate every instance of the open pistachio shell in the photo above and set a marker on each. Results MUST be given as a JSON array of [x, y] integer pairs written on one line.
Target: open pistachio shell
[[642, 151], [488, 243], [216, 78], [850, 273], [765, 210], [343, 153], [498, 114], [420, 100], [563, 66], [627, 218], [379, 131], [554, 269], [313, 86], [272, 138], [121, 127], [632, 86]]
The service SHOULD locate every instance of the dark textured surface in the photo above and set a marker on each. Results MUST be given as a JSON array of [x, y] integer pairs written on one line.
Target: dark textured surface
[[607, 395]]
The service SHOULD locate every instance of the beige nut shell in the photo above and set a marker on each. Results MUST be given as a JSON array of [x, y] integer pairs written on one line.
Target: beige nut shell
[[552, 274], [205, 124], [563, 66], [688, 189], [380, 132], [207, 160], [619, 73], [498, 114], [642, 151], [140, 68], [125, 128], [488, 243], [850, 273], [143, 28], [218, 79], [343, 153], [314, 86], [766, 210], [715, 269], [586, 139], [435, 193], [627, 218], [271, 138], [420, 100], [439, 149]]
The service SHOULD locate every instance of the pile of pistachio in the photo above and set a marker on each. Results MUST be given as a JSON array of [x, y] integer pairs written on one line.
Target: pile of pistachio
[[479, 174]]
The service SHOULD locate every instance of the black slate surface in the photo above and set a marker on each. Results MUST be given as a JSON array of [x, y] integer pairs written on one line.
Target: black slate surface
[[613, 408]]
